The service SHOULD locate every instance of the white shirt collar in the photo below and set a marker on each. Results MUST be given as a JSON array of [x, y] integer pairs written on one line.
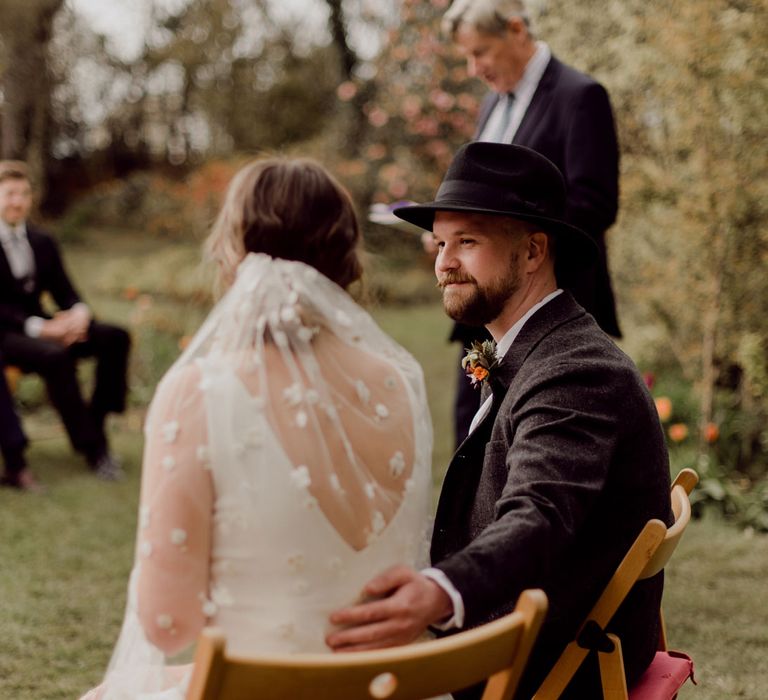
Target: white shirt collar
[[534, 69], [509, 337], [501, 349], [6, 230]]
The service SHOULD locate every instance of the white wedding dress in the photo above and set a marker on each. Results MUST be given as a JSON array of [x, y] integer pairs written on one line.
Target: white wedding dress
[[287, 461]]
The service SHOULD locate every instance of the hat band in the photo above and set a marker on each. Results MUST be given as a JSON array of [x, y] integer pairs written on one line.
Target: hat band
[[482, 196]]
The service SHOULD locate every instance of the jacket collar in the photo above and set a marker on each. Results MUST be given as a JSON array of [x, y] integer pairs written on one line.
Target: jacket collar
[[539, 102], [556, 312]]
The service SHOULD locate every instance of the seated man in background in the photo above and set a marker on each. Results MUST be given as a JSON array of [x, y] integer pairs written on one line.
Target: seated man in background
[[30, 264], [12, 442]]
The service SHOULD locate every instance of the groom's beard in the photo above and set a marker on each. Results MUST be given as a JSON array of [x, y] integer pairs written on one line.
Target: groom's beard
[[476, 305]]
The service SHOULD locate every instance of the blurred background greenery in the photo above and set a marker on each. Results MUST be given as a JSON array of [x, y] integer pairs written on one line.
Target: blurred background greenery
[[133, 147]]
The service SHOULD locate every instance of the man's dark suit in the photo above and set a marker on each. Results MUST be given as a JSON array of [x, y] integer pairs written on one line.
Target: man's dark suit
[[55, 363], [554, 484], [12, 439], [569, 121]]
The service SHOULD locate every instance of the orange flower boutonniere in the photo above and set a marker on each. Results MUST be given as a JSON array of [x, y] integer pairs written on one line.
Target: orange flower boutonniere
[[479, 361]]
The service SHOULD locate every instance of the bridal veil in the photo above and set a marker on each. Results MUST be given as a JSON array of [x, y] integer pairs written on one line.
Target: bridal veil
[[315, 391]]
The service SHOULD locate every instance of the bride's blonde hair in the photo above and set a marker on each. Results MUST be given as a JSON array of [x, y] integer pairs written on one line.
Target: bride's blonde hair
[[289, 208]]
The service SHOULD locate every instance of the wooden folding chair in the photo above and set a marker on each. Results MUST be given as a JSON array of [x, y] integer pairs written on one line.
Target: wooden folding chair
[[497, 651], [646, 557]]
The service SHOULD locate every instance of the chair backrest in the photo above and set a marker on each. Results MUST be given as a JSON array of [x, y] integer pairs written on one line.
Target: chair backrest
[[681, 507], [648, 554], [497, 651]]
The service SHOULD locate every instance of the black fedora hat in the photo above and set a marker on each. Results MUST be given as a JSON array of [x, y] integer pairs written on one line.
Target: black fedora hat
[[507, 180]]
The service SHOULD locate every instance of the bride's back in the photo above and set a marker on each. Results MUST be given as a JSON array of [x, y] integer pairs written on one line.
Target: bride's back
[[288, 450], [316, 444], [315, 488]]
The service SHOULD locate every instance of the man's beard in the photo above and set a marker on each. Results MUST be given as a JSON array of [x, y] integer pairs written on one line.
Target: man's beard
[[476, 305]]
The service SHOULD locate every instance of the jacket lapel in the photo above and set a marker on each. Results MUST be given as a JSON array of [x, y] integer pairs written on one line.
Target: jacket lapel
[[559, 310], [540, 102]]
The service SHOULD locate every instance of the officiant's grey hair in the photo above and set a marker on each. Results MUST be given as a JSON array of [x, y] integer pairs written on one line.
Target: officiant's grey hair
[[488, 16]]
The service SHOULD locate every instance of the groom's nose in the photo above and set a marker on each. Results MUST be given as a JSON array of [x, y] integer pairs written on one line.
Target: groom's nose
[[446, 259]]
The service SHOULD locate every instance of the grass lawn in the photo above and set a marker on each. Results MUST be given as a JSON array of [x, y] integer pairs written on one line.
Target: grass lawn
[[66, 554]]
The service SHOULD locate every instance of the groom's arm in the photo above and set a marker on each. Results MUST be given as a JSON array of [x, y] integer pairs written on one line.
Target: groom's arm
[[405, 603]]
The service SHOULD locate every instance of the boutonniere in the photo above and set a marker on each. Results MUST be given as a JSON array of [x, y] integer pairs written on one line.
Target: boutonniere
[[479, 361]]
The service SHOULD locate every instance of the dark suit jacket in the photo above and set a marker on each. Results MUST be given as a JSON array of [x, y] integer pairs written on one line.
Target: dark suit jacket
[[569, 120], [16, 305], [555, 483]]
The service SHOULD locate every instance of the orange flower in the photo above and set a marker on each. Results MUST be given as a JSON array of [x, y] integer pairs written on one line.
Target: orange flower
[[711, 432], [12, 376], [479, 373], [678, 432], [184, 341], [130, 293], [664, 408]]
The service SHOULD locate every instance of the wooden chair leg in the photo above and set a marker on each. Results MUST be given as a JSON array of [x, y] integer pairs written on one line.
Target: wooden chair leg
[[208, 666], [662, 632], [612, 672]]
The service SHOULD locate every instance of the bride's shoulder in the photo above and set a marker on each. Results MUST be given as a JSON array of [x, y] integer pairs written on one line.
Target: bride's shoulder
[[180, 382]]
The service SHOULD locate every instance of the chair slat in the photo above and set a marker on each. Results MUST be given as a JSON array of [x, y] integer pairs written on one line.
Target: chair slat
[[499, 649]]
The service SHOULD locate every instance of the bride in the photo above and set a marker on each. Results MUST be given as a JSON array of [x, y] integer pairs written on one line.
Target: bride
[[288, 449]]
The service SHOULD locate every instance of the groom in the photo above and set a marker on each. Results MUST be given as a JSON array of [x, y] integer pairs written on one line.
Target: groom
[[565, 460]]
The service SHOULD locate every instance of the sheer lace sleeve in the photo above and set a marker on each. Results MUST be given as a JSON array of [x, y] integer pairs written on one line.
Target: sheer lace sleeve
[[174, 534], [167, 591]]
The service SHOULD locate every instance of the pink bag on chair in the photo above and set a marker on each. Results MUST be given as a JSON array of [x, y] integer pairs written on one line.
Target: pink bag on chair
[[668, 671]]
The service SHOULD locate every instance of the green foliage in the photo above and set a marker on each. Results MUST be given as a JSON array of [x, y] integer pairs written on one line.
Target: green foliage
[[741, 501], [275, 116], [733, 484], [164, 207], [422, 107]]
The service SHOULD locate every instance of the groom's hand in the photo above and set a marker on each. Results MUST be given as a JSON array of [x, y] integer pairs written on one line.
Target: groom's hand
[[405, 604]]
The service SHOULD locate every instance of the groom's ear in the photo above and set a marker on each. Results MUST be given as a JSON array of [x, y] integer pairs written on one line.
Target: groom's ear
[[537, 250]]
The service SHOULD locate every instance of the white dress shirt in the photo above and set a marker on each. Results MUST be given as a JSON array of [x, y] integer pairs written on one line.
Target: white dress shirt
[[523, 92], [15, 243], [457, 619]]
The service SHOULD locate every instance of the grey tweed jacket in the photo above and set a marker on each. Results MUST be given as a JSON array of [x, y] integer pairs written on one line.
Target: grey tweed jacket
[[553, 486]]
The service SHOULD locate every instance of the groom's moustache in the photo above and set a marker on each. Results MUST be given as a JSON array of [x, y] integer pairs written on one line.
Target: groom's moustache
[[454, 278]]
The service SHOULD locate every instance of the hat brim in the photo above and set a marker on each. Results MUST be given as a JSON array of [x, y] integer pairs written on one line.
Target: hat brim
[[572, 242]]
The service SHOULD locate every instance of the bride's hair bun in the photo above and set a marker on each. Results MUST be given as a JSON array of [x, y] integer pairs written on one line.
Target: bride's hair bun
[[292, 209]]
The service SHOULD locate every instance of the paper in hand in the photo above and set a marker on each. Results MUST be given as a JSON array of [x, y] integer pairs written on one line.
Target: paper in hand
[[382, 214]]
